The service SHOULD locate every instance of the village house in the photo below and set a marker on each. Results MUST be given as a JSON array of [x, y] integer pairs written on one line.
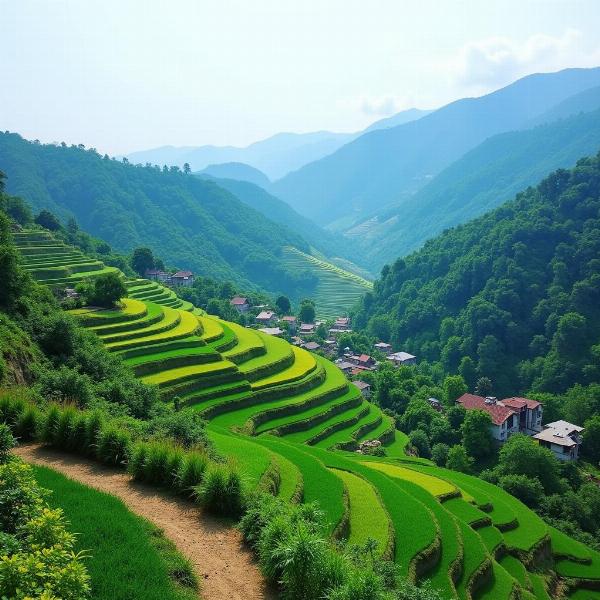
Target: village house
[[182, 278], [276, 331], [307, 329], [266, 317], [505, 421], [383, 347], [344, 366], [312, 346], [363, 360], [241, 304], [436, 404], [529, 413], [342, 323], [158, 275], [297, 341], [364, 387], [402, 358], [291, 323], [335, 331], [561, 438]]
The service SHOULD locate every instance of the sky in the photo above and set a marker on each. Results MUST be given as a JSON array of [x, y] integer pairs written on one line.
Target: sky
[[125, 75]]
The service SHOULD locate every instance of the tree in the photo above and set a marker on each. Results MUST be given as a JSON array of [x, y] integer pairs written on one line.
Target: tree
[[468, 371], [13, 280], [477, 437], [307, 311], [142, 260], [591, 439], [483, 387], [107, 290], [439, 454], [47, 220], [186, 168], [454, 388], [418, 439], [521, 455], [72, 227], [456, 415], [283, 305], [528, 490], [459, 460]]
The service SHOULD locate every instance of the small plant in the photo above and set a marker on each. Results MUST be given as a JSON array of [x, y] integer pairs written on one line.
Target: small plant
[[113, 446], [93, 427], [27, 423], [49, 425], [64, 425]]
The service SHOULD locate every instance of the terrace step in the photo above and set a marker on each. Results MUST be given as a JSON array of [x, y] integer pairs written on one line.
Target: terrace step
[[153, 314], [170, 359], [226, 393], [170, 318], [179, 375]]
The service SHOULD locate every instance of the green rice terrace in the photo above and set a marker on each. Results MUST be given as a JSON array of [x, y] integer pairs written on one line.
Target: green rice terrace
[[290, 417], [337, 289]]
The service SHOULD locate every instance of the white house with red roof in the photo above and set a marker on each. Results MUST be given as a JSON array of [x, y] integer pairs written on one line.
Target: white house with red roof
[[266, 317], [240, 303], [512, 415]]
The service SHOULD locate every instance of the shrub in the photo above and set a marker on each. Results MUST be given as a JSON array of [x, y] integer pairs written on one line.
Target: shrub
[[113, 446], [7, 442], [49, 424], [191, 471], [64, 426], [20, 498], [528, 490], [439, 454], [221, 490], [11, 408], [137, 460], [27, 424], [419, 439], [93, 426], [186, 427]]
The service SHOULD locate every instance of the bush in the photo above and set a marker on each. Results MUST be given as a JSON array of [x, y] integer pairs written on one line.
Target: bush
[[528, 490], [27, 424], [185, 427], [191, 471], [113, 446], [20, 498], [7, 442], [221, 490], [439, 454], [418, 439]]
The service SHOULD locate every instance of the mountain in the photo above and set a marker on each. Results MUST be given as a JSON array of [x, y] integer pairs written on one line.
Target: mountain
[[585, 101], [275, 156], [280, 212], [405, 116], [189, 222], [238, 171], [481, 180], [516, 291], [389, 165]]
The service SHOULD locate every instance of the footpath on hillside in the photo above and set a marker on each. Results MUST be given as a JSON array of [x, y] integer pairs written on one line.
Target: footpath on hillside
[[224, 566]]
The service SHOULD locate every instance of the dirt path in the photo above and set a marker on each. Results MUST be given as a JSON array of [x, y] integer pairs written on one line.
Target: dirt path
[[225, 567]]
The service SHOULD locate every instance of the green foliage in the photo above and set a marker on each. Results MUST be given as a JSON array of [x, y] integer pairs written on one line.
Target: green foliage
[[477, 436], [418, 439], [221, 490], [519, 284], [283, 305], [47, 220], [459, 460], [306, 314], [142, 260], [591, 439], [7, 442], [454, 388], [439, 454], [105, 290], [528, 490]]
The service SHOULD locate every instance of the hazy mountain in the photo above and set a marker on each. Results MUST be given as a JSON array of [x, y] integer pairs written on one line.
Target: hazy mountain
[[389, 165], [238, 171], [406, 116], [189, 222], [275, 156], [488, 175]]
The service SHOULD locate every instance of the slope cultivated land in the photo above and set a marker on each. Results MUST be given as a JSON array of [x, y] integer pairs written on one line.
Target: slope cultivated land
[[278, 409], [337, 289]]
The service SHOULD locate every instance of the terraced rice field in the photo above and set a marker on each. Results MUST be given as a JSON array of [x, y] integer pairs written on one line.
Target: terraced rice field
[[337, 290], [304, 420]]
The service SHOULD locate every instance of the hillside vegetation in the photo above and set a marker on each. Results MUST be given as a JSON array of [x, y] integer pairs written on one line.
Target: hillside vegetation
[[296, 409], [481, 180], [389, 165], [191, 223], [512, 296]]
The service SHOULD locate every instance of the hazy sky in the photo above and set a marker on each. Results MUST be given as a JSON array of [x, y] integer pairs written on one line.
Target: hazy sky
[[124, 75]]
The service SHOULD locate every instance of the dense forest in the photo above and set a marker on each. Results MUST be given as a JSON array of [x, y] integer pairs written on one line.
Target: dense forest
[[513, 296], [192, 223]]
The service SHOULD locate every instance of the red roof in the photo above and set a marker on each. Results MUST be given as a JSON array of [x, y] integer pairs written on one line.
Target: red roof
[[239, 301], [183, 274], [498, 412], [520, 403], [364, 358], [289, 319]]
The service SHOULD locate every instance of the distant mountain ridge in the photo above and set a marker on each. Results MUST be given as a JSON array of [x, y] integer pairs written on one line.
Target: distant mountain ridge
[[275, 156], [389, 165], [238, 171]]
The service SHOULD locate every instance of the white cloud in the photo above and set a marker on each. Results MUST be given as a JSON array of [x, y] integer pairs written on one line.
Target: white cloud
[[496, 61], [381, 107]]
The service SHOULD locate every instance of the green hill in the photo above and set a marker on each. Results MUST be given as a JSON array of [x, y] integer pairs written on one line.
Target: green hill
[[238, 171], [286, 415], [481, 180], [191, 223], [389, 165], [516, 290]]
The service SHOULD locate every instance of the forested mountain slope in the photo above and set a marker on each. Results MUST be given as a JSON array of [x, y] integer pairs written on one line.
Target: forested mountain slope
[[238, 171], [386, 166], [481, 180], [513, 295], [191, 223]]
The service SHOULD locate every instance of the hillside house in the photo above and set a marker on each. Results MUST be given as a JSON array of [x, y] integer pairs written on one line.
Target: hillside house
[[342, 323], [435, 404], [266, 318], [363, 360], [307, 329], [505, 421], [158, 275], [312, 346], [182, 279], [335, 331], [241, 304], [529, 412], [402, 359], [276, 331], [383, 347], [561, 438], [364, 387], [292, 323], [344, 366]]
